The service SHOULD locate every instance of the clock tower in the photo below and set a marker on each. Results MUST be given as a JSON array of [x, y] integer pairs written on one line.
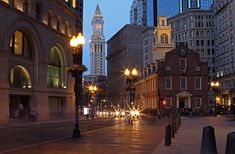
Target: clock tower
[[97, 44]]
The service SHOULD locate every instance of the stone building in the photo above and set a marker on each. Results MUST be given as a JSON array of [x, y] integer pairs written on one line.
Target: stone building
[[34, 56], [124, 51], [224, 17]]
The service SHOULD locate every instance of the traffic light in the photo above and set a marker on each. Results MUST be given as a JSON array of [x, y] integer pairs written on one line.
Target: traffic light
[[164, 102]]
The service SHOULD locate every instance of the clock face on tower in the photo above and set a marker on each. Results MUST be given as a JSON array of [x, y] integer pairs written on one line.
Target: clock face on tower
[[98, 26]]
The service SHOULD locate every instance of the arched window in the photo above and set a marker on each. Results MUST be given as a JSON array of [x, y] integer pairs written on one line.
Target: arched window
[[20, 44], [19, 78], [49, 18], [66, 27], [74, 3], [58, 21], [56, 77], [164, 39]]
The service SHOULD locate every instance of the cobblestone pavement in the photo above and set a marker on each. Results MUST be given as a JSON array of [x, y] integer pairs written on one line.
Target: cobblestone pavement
[[188, 138], [139, 138]]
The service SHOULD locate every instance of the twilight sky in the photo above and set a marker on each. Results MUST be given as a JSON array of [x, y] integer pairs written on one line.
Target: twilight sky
[[115, 14]]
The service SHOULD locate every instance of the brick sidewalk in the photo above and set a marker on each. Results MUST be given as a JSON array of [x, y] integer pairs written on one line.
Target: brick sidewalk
[[188, 138]]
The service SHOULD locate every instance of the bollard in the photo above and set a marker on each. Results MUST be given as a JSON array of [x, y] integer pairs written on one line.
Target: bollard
[[172, 129], [230, 145], [168, 135], [175, 130], [208, 143]]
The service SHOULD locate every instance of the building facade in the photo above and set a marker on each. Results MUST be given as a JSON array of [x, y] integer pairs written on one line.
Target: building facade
[[34, 56], [186, 5], [197, 28], [146, 90], [134, 12], [183, 80], [148, 43], [143, 12], [97, 44], [163, 39], [124, 51], [224, 16], [152, 12]]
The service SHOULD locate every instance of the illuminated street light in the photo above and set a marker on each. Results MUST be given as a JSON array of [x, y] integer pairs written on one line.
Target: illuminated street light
[[77, 70]]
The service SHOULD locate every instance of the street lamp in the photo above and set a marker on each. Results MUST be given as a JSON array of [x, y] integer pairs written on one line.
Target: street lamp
[[130, 78], [76, 70], [92, 90]]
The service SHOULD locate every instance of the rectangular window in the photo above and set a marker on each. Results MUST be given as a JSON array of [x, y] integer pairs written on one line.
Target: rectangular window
[[198, 102], [168, 102], [197, 83], [168, 83], [183, 83], [182, 64]]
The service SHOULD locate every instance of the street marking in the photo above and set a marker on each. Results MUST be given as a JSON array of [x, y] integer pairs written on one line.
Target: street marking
[[54, 140]]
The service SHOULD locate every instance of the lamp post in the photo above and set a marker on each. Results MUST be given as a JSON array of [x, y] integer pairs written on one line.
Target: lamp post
[[130, 78], [76, 70], [215, 86], [92, 90]]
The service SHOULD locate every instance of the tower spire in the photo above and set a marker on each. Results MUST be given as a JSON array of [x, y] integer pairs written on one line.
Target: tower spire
[[97, 10]]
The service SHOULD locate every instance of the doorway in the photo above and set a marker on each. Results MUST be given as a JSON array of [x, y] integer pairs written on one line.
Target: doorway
[[19, 107]]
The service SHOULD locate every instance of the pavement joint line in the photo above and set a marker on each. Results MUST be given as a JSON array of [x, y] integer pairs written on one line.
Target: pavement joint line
[[54, 140]]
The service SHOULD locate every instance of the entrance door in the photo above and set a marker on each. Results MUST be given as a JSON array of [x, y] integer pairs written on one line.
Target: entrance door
[[182, 103], [19, 106]]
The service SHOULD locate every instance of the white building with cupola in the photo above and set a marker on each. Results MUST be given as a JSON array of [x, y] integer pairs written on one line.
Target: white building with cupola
[[97, 44]]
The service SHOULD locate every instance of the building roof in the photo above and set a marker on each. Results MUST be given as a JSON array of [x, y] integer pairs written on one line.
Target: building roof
[[97, 10]]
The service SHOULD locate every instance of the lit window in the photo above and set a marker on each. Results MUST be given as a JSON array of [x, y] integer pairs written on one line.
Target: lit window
[[56, 76], [19, 78], [20, 44], [74, 3]]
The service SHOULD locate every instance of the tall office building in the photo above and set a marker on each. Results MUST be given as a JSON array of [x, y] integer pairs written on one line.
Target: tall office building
[[152, 12], [143, 12], [186, 5], [97, 44], [224, 17], [168, 8], [133, 13]]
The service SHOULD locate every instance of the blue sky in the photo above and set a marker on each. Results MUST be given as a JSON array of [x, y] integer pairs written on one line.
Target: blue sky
[[115, 13]]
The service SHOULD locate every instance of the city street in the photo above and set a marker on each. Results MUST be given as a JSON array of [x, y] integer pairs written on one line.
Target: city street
[[98, 136], [25, 135]]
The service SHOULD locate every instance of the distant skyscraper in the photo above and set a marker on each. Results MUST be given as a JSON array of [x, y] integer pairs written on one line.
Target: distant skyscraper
[[133, 13], [152, 12], [185, 5], [143, 12], [97, 44], [168, 8]]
